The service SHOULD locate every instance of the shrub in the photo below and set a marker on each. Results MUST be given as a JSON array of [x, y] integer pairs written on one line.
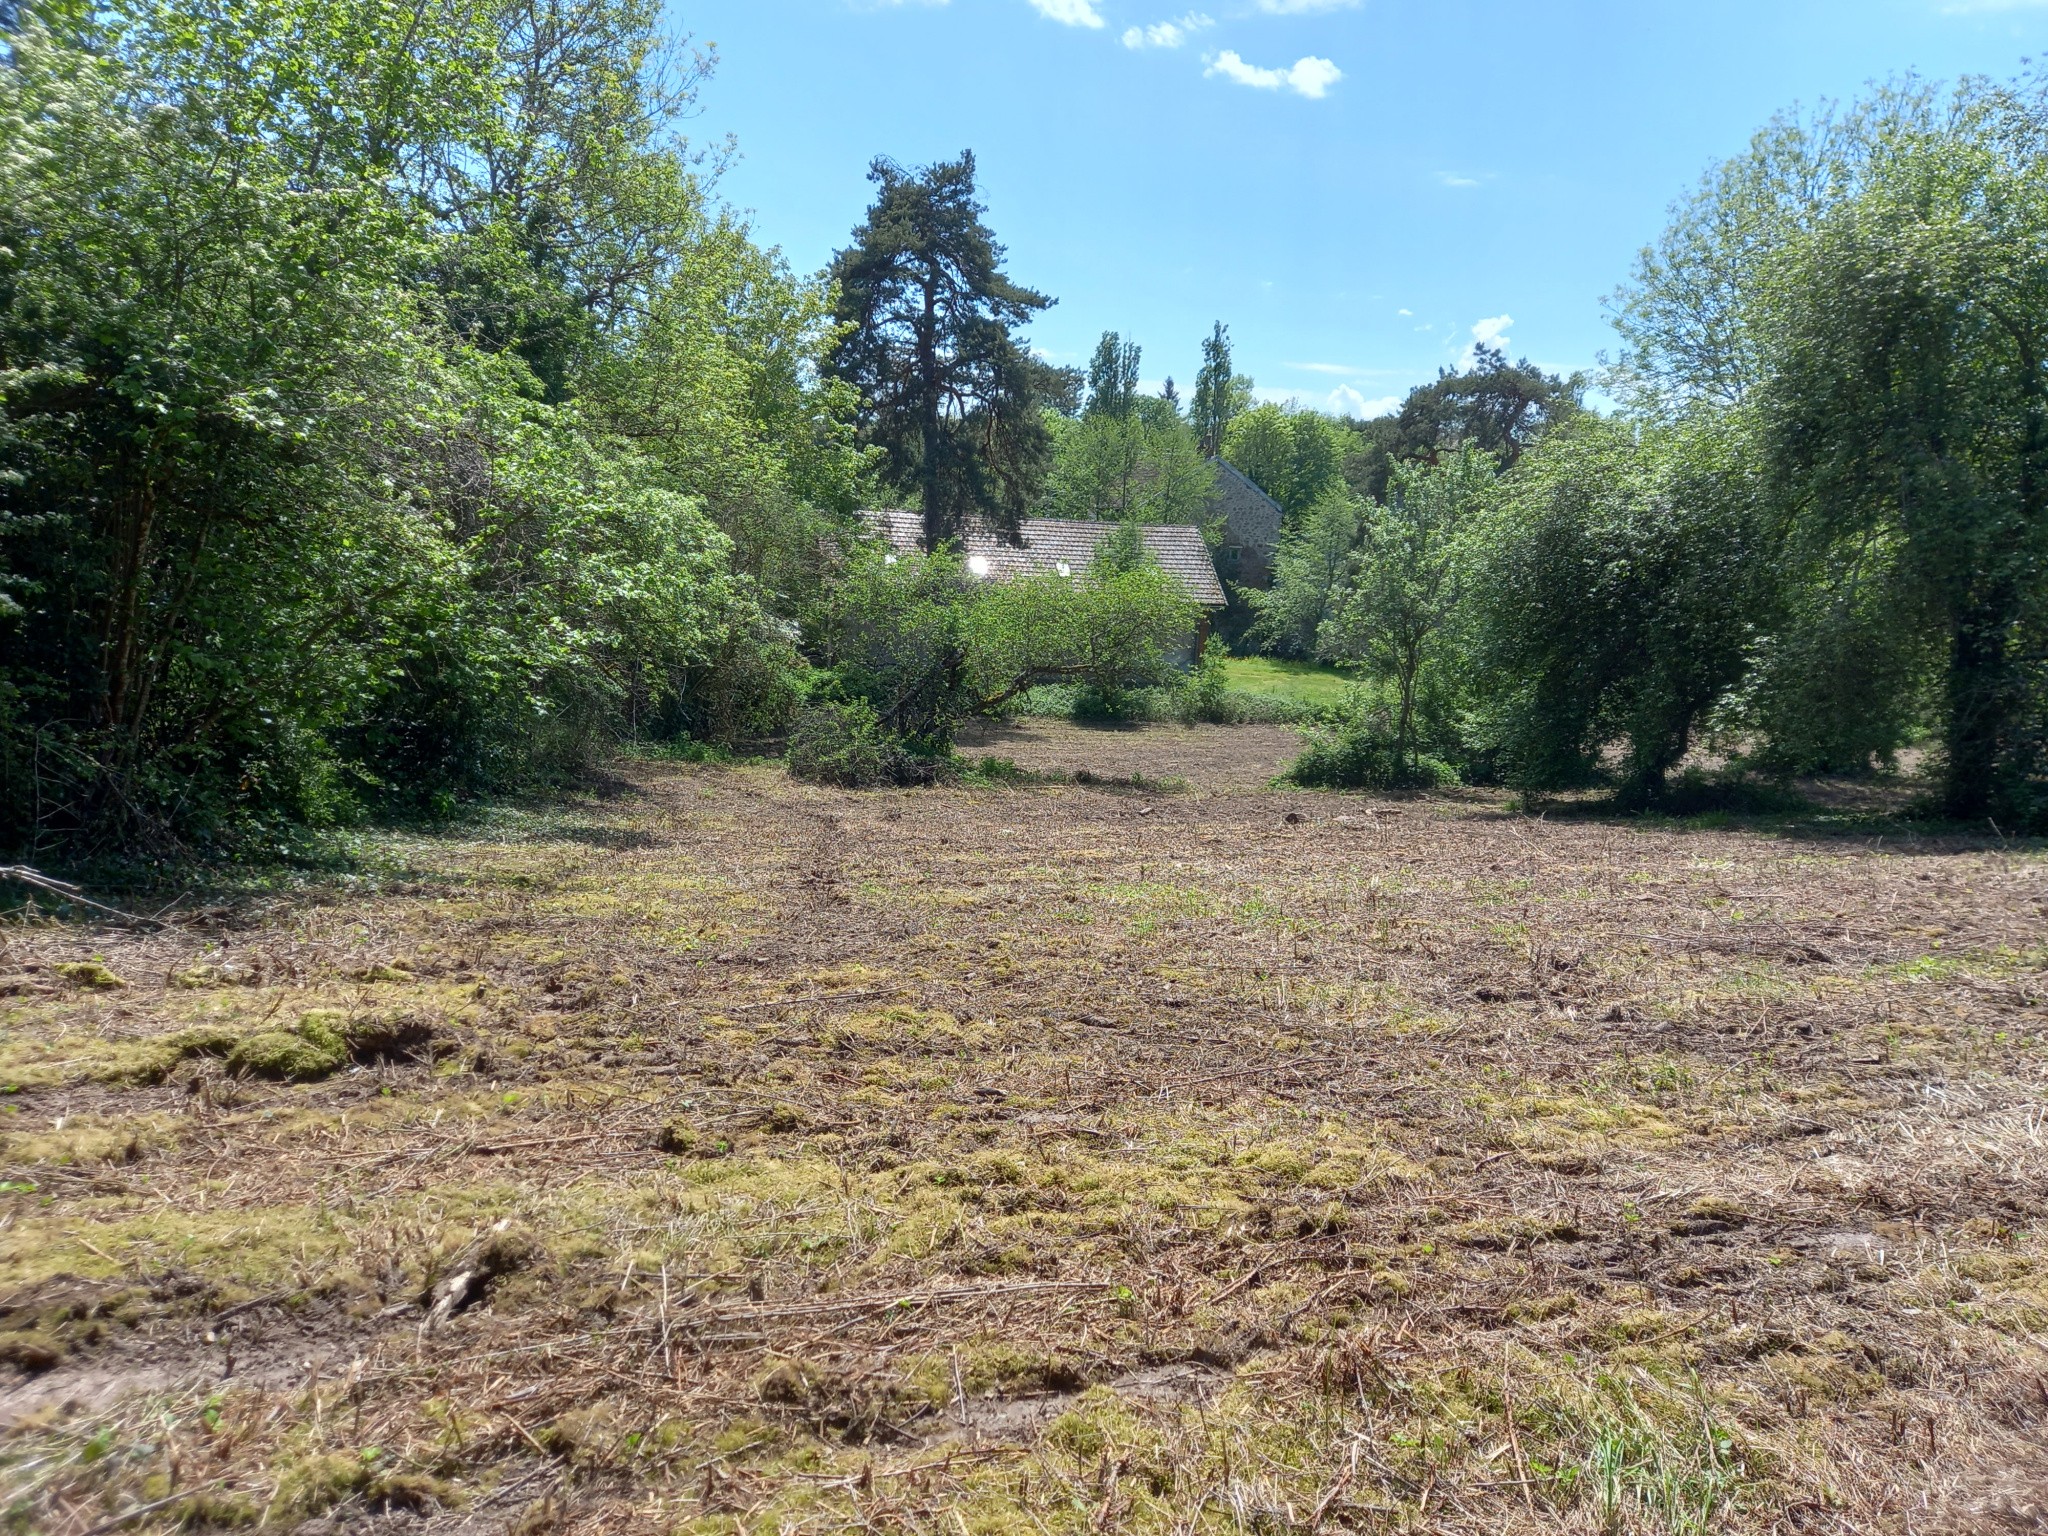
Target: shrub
[[893, 634], [1357, 747], [1204, 694], [846, 744], [842, 744]]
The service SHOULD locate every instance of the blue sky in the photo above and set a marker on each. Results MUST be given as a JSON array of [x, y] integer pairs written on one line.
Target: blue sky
[[1356, 187]]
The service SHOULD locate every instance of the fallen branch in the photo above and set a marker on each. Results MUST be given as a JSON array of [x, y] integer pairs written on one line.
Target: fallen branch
[[140, 1510], [21, 874]]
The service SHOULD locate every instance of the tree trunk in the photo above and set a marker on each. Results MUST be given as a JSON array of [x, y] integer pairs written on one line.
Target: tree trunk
[[938, 520], [1981, 698]]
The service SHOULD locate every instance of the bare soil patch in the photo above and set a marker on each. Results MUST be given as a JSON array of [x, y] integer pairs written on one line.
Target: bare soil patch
[[1060, 1158]]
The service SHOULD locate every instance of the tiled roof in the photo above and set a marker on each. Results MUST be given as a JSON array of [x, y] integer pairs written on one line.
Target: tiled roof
[[1066, 546]]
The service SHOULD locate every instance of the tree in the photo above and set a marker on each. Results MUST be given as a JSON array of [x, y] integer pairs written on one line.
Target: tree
[[1309, 571], [1495, 406], [1113, 376], [1695, 313], [922, 643], [1220, 395], [1905, 398], [576, 201], [1863, 292], [1140, 466], [1619, 581], [307, 503], [1294, 456], [948, 393], [1406, 585], [1112, 631]]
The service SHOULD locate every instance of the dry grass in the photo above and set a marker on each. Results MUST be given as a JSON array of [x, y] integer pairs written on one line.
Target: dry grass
[[732, 1155]]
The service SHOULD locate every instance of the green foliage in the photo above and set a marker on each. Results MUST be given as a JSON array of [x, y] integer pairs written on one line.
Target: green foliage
[[1401, 607], [1203, 696], [947, 392], [1837, 683], [1619, 582], [1862, 292], [379, 387], [1358, 745], [1113, 376], [1905, 407], [1494, 406], [922, 644], [893, 633], [1296, 457], [1141, 465], [1310, 569], [847, 745], [1116, 629], [743, 690], [1220, 395]]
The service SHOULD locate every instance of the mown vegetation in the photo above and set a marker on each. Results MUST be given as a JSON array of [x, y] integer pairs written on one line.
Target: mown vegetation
[[733, 1154], [1085, 1136]]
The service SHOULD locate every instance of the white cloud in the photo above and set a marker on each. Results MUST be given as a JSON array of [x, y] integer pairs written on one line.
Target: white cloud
[[1304, 7], [1070, 13], [1310, 77], [1491, 332], [1341, 370], [1168, 34], [1406, 314], [1346, 401], [1451, 179]]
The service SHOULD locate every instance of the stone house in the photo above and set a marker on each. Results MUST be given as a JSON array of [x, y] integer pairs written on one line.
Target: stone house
[[1251, 528]]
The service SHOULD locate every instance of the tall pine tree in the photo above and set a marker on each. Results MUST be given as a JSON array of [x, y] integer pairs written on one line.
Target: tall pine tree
[[949, 394]]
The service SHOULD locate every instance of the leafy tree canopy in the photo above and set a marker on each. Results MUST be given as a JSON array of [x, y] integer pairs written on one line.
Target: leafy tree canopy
[[1494, 406], [1294, 456]]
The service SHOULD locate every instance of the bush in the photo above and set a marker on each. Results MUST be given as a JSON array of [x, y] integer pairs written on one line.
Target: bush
[[747, 689], [1204, 694], [1356, 747], [845, 744], [841, 744]]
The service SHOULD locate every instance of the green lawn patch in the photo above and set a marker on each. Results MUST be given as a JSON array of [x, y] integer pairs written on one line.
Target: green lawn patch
[[1299, 682]]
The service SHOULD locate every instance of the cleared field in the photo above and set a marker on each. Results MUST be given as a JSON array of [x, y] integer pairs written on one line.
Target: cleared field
[[724, 1154]]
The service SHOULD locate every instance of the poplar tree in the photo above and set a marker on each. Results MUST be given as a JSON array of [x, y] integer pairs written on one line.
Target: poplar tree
[[1113, 376], [1220, 395]]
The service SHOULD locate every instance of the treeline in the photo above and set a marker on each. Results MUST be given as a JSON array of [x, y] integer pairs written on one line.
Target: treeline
[[1815, 534], [390, 412]]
